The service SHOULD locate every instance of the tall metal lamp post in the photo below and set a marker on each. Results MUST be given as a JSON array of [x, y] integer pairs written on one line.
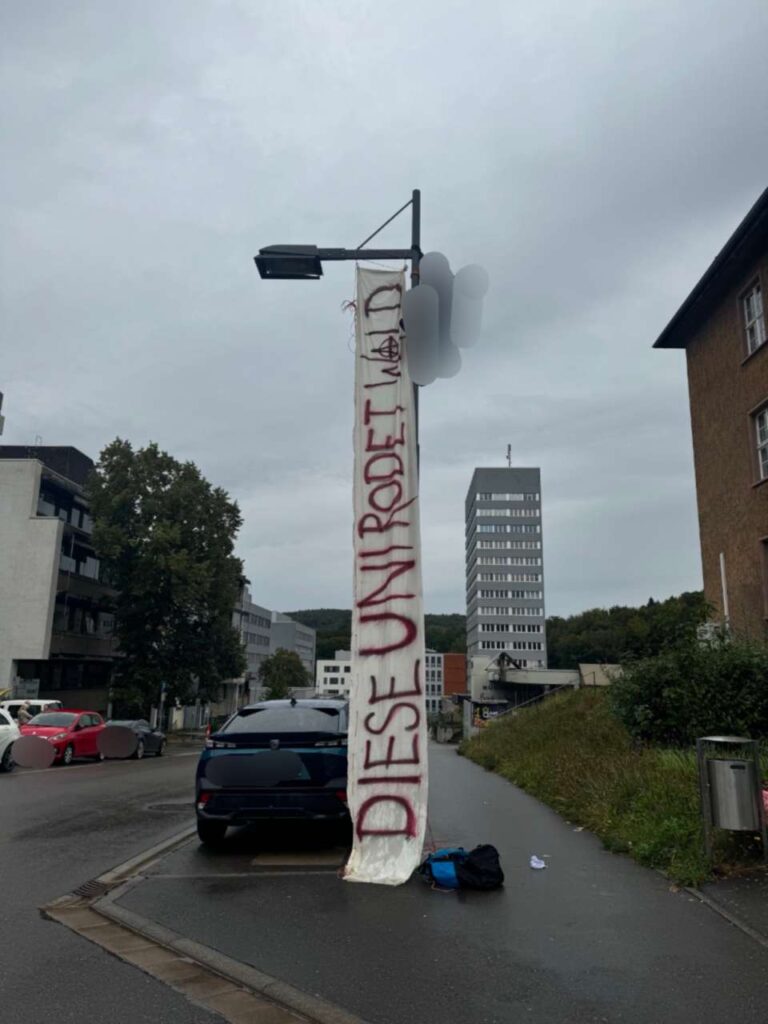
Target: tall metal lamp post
[[442, 311], [305, 262]]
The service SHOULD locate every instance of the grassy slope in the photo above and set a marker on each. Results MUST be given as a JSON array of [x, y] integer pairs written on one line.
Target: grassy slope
[[574, 755]]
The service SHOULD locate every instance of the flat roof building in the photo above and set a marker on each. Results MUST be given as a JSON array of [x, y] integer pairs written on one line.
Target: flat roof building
[[505, 566], [56, 604]]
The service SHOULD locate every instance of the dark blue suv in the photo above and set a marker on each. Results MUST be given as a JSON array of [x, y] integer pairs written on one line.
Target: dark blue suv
[[276, 759]]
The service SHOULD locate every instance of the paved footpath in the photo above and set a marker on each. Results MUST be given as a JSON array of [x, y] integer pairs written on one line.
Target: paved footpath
[[592, 938]]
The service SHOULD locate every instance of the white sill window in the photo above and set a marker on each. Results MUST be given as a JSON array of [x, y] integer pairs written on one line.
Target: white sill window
[[761, 430], [754, 318]]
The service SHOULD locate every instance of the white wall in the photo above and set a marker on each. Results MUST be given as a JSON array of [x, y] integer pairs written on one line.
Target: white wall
[[479, 677], [29, 564], [339, 680]]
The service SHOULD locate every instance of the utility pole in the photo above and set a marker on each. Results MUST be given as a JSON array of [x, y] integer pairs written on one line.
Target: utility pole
[[415, 260]]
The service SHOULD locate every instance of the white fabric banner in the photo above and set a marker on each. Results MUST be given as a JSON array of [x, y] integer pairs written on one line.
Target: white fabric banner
[[387, 782]]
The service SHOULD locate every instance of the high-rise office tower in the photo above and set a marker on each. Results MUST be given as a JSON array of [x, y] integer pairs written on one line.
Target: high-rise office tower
[[505, 566]]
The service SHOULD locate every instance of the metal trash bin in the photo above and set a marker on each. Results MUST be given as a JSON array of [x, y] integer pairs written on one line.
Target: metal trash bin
[[731, 789]]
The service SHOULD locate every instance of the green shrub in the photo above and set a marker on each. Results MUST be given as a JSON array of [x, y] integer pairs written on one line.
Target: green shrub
[[695, 690]]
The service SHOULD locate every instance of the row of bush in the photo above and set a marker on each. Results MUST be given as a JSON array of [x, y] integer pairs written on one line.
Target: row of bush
[[694, 690]]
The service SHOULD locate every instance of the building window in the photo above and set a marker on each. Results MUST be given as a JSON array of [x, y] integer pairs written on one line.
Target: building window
[[761, 434], [754, 318]]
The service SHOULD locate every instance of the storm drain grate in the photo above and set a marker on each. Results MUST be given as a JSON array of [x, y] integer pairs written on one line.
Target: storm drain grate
[[91, 889]]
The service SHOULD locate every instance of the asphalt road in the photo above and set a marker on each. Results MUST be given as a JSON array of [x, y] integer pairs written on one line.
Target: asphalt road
[[592, 938], [58, 829]]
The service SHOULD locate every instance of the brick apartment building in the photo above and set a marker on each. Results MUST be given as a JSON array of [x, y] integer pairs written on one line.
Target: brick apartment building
[[722, 327]]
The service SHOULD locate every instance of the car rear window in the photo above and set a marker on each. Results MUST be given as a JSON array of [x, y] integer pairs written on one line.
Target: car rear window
[[284, 720], [53, 718]]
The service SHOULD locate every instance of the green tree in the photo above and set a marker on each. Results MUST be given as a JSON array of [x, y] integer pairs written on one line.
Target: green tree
[[444, 633], [614, 634], [695, 689], [281, 673], [166, 540]]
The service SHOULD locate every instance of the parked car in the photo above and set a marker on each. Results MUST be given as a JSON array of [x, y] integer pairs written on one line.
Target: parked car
[[36, 706], [277, 759], [9, 733], [72, 733], [149, 740]]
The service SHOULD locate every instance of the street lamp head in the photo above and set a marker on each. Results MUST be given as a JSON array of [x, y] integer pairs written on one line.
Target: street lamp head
[[289, 263]]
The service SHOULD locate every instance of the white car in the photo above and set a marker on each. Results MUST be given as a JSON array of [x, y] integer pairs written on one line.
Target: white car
[[36, 706], [9, 733]]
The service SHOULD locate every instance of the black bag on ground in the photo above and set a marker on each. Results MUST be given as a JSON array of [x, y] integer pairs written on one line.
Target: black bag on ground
[[480, 869]]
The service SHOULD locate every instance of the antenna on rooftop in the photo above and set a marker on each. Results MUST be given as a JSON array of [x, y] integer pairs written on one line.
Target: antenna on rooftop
[[509, 455]]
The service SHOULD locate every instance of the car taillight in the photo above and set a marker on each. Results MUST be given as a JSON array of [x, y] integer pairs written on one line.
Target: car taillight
[[342, 795], [202, 800], [211, 744]]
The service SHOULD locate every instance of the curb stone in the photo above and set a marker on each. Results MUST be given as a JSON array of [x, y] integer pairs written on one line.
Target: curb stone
[[730, 917], [241, 994]]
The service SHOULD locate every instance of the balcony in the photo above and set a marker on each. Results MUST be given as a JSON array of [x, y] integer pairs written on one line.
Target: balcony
[[83, 645], [82, 586]]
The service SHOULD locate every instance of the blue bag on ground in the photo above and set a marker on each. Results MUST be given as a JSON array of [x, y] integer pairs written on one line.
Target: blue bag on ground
[[453, 868], [440, 866]]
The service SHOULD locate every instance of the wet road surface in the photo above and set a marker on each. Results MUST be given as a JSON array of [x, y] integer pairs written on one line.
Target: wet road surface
[[592, 938], [58, 829]]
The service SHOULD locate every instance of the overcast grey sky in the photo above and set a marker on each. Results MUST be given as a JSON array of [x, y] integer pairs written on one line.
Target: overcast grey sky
[[593, 156]]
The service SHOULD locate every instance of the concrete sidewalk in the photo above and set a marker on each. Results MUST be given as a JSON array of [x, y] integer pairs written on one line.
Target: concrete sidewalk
[[594, 937]]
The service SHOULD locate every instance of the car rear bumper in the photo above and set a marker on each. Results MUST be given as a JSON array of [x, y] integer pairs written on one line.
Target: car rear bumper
[[242, 808]]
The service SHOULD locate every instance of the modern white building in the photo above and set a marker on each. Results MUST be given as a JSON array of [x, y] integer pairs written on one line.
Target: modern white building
[[433, 681], [333, 677], [263, 632], [56, 618], [505, 567], [290, 635], [30, 547], [254, 624]]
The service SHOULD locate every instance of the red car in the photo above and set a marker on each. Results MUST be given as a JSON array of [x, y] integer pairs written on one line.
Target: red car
[[72, 733]]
